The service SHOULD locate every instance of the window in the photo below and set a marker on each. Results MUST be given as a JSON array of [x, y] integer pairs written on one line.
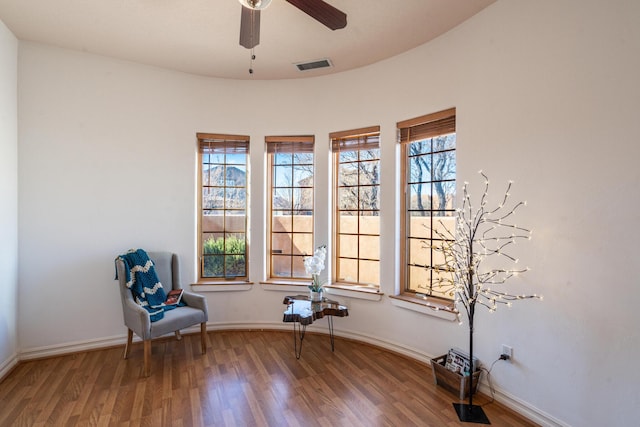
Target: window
[[290, 179], [429, 171], [357, 209], [222, 206]]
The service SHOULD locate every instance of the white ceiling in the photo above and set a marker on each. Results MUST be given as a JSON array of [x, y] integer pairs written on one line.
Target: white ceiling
[[202, 36]]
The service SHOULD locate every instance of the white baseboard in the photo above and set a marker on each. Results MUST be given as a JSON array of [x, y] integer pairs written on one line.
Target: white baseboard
[[7, 365], [93, 344], [395, 347], [71, 347], [523, 408], [528, 411], [356, 336]]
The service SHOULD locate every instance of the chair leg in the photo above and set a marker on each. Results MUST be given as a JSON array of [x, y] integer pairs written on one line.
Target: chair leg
[[147, 358], [203, 337], [178, 336], [127, 347]]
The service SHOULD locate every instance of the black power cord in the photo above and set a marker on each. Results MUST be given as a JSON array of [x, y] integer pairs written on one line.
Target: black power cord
[[491, 389]]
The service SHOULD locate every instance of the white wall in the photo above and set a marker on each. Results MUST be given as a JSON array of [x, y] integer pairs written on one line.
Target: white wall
[[546, 94], [8, 199]]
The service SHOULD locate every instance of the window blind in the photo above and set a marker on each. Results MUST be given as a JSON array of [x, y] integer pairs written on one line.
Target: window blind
[[356, 140], [210, 143], [428, 126], [290, 144]]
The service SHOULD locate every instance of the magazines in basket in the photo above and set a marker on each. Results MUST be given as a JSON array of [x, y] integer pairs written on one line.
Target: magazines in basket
[[458, 361]]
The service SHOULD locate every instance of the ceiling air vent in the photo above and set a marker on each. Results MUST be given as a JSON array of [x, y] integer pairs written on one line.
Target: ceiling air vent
[[306, 66]]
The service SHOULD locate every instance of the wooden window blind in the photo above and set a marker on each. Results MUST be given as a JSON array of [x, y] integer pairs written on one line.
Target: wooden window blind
[[355, 140], [428, 126]]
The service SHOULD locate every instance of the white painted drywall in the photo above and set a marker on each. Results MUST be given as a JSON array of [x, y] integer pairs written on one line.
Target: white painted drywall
[[8, 198], [546, 94]]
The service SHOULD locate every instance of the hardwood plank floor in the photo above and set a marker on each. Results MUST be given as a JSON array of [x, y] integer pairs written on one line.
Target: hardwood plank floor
[[247, 378]]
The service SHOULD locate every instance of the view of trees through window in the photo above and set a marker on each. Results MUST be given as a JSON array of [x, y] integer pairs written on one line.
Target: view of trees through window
[[291, 184], [429, 151], [429, 168], [357, 246]]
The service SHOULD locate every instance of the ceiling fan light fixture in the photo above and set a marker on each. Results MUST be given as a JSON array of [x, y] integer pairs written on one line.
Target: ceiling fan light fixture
[[255, 4]]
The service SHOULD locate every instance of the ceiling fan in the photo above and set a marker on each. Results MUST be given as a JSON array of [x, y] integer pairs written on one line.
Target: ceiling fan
[[317, 9]]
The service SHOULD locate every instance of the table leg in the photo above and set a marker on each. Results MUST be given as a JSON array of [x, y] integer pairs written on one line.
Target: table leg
[[330, 321], [298, 335]]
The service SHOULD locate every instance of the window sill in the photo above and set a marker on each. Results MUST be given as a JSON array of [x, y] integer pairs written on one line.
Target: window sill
[[357, 292], [226, 286], [429, 306], [284, 286]]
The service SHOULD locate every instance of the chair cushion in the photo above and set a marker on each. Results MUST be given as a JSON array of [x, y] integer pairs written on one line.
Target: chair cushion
[[176, 319]]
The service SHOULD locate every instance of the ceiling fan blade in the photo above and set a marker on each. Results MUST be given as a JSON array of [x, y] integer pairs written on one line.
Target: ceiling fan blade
[[322, 12], [249, 28]]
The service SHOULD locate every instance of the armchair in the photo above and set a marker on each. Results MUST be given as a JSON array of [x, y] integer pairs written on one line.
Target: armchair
[[137, 319]]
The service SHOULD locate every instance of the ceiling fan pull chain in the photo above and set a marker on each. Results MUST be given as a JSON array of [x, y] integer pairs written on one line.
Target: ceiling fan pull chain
[[253, 57]]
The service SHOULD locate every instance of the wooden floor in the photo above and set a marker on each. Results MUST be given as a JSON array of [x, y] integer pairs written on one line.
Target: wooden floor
[[247, 378]]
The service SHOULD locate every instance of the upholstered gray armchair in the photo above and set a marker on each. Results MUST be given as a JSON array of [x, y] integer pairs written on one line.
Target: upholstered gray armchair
[[137, 319]]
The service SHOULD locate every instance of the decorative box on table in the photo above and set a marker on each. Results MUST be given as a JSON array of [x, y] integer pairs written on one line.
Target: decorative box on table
[[453, 381]]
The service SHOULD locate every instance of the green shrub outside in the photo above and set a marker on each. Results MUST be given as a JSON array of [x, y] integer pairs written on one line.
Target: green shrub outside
[[216, 257]]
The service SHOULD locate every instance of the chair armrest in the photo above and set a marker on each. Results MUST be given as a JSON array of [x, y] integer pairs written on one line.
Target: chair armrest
[[137, 319], [196, 301]]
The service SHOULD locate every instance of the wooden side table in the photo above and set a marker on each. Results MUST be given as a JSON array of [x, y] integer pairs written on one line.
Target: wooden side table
[[302, 312]]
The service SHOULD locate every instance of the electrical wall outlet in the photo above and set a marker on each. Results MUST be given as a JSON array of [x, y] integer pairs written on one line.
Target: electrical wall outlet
[[507, 351]]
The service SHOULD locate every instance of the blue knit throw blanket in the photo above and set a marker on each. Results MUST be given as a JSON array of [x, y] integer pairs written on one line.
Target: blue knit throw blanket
[[143, 281]]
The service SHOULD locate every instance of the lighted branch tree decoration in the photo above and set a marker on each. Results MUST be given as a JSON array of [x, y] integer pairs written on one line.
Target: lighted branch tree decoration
[[481, 235]]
